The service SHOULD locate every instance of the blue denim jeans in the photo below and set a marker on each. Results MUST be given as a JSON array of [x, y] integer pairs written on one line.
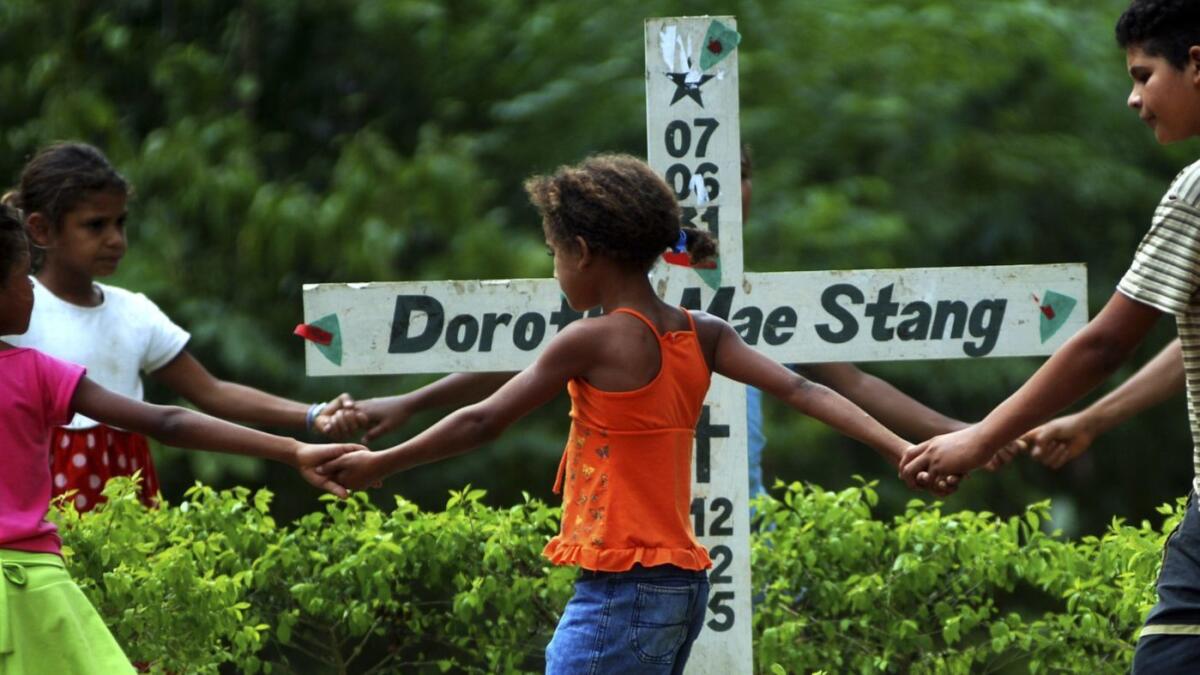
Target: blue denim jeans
[[755, 441], [641, 621], [1170, 641]]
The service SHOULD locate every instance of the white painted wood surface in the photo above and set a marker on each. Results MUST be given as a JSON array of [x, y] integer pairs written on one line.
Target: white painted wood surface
[[502, 325]]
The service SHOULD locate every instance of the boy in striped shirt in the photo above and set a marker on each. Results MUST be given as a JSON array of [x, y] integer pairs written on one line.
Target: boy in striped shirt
[[1161, 39]]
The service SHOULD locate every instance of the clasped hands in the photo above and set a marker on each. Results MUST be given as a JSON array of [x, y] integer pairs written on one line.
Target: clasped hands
[[363, 468], [940, 463], [340, 467]]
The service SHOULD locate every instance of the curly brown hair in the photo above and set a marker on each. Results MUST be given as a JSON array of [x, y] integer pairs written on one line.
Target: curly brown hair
[[619, 206]]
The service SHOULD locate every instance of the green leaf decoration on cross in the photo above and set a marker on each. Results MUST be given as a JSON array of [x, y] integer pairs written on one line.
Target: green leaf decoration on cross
[[1055, 308], [333, 350], [711, 276], [719, 42]]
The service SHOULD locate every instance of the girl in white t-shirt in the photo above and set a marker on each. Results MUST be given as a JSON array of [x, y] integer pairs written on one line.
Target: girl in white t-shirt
[[75, 207]]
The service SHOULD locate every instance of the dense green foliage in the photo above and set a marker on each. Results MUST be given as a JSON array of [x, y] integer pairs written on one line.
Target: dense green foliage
[[356, 589], [276, 142], [348, 589], [929, 592]]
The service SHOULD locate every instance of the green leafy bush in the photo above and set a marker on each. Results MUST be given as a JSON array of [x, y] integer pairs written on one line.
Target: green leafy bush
[[945, 593], [356, 589], [173, 583]]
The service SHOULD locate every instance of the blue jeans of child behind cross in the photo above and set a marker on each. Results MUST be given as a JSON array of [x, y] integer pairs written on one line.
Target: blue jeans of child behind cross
[[642, 621], [1169, 643]]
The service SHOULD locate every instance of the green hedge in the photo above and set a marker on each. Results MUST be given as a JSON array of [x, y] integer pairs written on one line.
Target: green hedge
[[930, 592], [355, 589]]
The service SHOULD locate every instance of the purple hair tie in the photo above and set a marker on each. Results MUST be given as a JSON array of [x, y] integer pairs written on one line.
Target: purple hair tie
[[681, 244]]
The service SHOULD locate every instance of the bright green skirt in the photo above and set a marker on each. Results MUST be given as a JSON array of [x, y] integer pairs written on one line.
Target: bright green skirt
[[47, 624]]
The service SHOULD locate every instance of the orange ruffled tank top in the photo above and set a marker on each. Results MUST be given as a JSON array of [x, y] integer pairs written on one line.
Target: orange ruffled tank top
[[626, 473]]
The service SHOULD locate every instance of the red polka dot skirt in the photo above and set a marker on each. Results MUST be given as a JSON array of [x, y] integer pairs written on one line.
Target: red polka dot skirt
[[84, 459]]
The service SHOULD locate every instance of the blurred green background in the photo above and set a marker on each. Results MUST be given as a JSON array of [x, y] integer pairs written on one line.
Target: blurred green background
[[278, 142]]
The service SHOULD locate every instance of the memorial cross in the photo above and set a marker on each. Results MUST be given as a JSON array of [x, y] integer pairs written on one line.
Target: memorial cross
[[794, 317]]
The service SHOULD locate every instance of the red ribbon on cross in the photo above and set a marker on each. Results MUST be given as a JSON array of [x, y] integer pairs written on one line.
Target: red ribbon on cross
[[313, 334]]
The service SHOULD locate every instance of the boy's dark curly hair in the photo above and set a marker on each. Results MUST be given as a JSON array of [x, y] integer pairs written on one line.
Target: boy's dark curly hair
[[619, 206], [14, 244], [1166, 28]]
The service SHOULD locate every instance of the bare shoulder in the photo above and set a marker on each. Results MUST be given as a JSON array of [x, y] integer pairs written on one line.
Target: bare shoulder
[[710, 331], [584, 334], [710, 327], [584, 345]]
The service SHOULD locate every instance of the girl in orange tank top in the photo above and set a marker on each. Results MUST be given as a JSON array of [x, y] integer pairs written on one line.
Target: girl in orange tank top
[[626, 474], [637, 376]]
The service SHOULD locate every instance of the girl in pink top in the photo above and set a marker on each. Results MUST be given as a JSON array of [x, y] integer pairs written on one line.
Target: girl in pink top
[[75, 206], [37, 393]]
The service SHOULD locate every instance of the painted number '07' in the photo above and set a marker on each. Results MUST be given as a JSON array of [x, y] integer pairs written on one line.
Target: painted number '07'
[[679, 136]]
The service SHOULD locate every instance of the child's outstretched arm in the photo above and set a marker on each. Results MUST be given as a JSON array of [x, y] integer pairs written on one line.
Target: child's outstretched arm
[[1063, 439], [1075, 369], [387, 413], [185, 428], [467, 428], [734, 359], [893, 408], [228, 400], [896, 410]]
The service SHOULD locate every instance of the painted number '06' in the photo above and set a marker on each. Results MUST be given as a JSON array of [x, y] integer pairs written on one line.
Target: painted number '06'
[[679, 177], [679, 136]]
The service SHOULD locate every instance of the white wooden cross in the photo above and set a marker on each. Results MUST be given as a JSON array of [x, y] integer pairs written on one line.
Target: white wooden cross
[[794, 317]]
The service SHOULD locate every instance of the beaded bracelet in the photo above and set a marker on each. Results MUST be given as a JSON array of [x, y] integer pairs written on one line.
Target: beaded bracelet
[[311, 418]]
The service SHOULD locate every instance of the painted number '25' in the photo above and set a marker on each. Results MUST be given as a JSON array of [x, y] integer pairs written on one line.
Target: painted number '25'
[[723, 615]]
